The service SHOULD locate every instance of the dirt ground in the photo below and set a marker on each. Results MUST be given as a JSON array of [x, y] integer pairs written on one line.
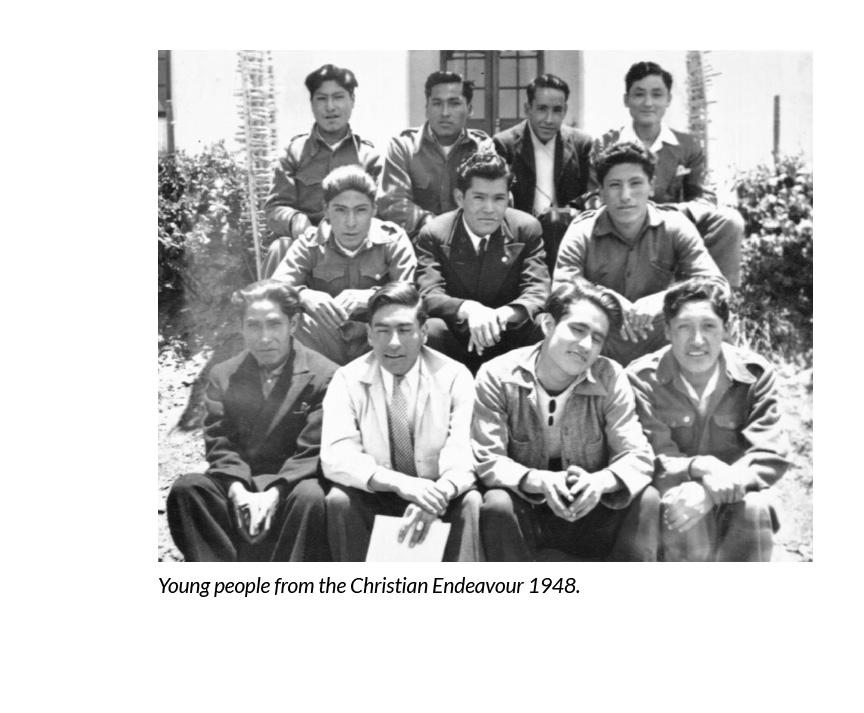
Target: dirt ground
[[183, 452]]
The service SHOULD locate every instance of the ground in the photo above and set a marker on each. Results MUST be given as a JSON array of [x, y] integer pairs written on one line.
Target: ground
[[182, 451]]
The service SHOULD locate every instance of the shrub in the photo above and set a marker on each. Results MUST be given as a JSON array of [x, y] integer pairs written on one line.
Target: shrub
[[205, 250], [775, 302]]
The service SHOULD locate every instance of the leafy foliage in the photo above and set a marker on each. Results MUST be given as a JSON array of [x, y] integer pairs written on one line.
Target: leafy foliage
[[775, 302], [205, 251]]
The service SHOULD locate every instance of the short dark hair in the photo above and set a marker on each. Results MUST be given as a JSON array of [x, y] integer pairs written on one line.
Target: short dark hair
[[696, 289], [281, 293], [640, 70], [437, 78], [484, 164], [343, 77], [397, 293], [562, 297], [348, 178], [624, 152], [547, 81]]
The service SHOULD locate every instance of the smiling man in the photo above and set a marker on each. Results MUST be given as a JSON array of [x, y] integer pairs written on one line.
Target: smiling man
[[420, 166], [395, 438], [558, 445], [481, 268], [633, 249], [295, 205], [679, 178], [337, 268], [550, 161], [261, 498], [711, 413]]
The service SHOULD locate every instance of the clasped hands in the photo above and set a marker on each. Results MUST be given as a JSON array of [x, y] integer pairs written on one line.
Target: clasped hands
[[485, 324], [332, 312], [428, 500], [638, 317], [714, 483], [573, 493], [253, 512]]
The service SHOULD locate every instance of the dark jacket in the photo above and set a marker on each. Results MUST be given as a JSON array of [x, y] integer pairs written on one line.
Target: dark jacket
[[266, 441], [572, 165]]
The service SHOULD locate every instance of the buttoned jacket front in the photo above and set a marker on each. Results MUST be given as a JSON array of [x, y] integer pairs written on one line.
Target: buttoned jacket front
[[599, 427], [355, 438], [418, 179], [741, 425]]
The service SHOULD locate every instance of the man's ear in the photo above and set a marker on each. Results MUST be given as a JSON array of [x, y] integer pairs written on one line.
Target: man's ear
[[527, 107], [547, 323], [369, 333], [667, 331], [651, 187], [459, 197], [470, 109], [424, 332]]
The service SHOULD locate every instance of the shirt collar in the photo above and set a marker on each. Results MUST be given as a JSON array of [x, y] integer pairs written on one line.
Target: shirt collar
[[549, 146], [375, 237], [604, 225], [525, 374], [735, 367], [429, 135], [317, 136], [411, 378], [471, 234], [666, 136]]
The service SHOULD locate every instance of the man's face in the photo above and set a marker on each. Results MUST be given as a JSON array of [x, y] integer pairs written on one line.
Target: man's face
[[696, 334], [483, 204], [546, 113], [574, 344], [396, 337], [267, 332], [648, 100], [331, 106], [447, 111], [625, 192], [350, 214]]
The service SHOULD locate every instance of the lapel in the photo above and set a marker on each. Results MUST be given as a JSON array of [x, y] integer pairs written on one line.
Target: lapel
[[563, 155], [377, 396], [462, 256], [501, 255], [424, 389], [668, 159], [524, 148]]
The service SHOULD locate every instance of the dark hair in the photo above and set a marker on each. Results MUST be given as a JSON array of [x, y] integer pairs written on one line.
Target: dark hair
[[693, 290], [437, 78], [486, 165], [397, 293], [281, 293], [348, 178], [343, 77], [640, 70], [547, 81], [568, 293], [624, 152]]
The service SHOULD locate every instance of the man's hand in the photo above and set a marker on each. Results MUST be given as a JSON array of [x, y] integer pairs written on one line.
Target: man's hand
[[587, 489], [558, 215], [684, 505], [323, 308], [301, 226], [352, 300], [415, 520], [718, 478], [483, 324], [423, 493], [553, 486], [253, 512], [641, 316]]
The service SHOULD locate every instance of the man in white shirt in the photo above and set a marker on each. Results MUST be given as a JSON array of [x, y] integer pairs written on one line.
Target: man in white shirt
[[395, 438]]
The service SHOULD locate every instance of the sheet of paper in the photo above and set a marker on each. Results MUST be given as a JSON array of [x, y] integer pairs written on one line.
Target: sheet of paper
[[383, 546]]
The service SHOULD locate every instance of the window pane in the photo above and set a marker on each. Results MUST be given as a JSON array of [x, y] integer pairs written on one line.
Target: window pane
[[507, 72], [479, 104], [508, 102], [476, 70], [527, 70]]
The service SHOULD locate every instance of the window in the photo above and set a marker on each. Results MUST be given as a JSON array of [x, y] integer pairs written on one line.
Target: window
[[165, 116], [499, 80]]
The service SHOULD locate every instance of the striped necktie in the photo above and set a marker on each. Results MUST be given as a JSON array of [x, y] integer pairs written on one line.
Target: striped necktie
[[401, 442]]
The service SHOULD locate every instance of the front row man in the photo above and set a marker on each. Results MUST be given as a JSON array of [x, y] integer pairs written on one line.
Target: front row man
[[395, 436], [558, 444], [710, 411]]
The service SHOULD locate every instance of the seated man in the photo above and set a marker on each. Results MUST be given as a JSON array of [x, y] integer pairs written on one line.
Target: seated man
[[679, 179], [710, 411], [550, 162], [261, 499], [395, 436], [337, 268], [420, 166], [633, 249], [557, 442], [296, 201], [481, 268]]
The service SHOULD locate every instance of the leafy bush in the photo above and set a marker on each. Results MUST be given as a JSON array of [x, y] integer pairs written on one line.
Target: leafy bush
[[775, 302], [205, 250]]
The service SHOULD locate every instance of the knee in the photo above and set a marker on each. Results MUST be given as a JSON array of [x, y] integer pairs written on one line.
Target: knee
[[732, 222], [437, 329], [187, 487], [497, 504], [308, 495], [648, 502], [470, 504], [754, 511], [338, 502]]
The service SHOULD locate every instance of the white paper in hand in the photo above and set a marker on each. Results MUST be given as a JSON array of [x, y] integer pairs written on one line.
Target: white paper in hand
[[384, 546]]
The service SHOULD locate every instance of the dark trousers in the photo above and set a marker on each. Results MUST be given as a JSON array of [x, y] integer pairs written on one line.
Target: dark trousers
[[454, 343], [202, 524], [736, 532], [515, 530], [351, 513], [722, 230], [553, 231]]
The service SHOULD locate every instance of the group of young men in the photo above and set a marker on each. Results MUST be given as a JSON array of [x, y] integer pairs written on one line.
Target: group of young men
[[445, 336]]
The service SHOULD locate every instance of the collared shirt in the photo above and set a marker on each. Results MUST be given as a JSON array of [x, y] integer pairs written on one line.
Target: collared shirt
[[544, 169], [717, 383], [475, 239], [599, 427], [628, 133], [667, 248], [409, 385], [551, 418], [741, 424], [269, 377]]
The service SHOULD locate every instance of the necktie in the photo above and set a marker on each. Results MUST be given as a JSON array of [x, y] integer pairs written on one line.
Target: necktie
[[401, 445], [481, 249]]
